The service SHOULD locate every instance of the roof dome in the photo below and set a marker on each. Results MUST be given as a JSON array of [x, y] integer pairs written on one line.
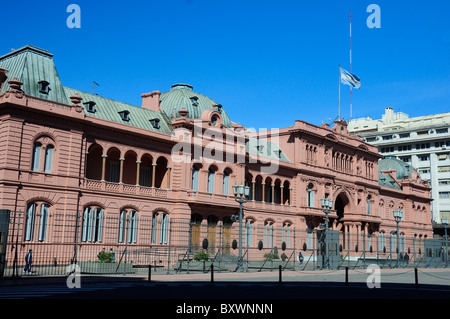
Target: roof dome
[[182, 96], [401, 167]]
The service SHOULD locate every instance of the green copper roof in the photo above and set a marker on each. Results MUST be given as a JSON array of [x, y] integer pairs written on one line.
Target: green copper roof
[[399, 166], [110, 110], [182, 96], [31, 65], [265, 149]]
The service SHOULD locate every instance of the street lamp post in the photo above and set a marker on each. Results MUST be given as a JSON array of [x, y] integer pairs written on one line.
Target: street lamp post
[[327, 204], [241, 194], [398, 215], [445, 224]]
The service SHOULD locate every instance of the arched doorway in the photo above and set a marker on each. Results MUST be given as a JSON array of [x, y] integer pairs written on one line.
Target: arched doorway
[[342, 207]]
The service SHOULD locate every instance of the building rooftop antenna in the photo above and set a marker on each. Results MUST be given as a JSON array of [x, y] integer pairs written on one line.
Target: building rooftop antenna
[[93, 85]]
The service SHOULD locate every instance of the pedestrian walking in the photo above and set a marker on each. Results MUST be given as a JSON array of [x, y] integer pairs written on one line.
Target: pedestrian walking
[[300, 258], [28, 261]]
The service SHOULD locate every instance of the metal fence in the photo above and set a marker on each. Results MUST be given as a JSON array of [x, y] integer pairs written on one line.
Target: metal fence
[[130, 244]]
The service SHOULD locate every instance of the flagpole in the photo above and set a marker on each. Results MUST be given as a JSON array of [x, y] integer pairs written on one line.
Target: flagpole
[[339, 114], [351, 91]]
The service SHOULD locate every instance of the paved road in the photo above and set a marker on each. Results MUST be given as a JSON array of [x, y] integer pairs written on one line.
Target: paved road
[[296, 289]]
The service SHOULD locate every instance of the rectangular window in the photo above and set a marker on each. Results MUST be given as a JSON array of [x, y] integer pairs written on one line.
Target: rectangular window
[[443, 169], [404, 135], [403, 148], [422, 133], [445, 181], [406, 159], [442, 156], [423, 146], [423, 170], [387, 137], [442, 130], [425, 157], [444, 194]]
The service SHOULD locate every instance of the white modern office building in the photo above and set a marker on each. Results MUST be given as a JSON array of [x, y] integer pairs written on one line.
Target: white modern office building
[[423, 142]]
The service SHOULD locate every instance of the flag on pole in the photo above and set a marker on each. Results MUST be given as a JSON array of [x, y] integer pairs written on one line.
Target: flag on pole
[[350, 79]]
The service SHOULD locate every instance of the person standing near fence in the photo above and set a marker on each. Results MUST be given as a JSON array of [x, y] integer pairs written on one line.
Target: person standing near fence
[[300, 258], [28, 261]]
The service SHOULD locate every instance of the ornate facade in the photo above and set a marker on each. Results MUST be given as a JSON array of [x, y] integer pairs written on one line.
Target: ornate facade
[[177, 156]]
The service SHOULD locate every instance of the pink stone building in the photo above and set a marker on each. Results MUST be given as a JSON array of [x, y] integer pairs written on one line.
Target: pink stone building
[[176, 157]]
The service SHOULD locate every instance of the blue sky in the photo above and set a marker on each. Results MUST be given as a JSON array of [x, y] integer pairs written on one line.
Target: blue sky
[[267, 62]]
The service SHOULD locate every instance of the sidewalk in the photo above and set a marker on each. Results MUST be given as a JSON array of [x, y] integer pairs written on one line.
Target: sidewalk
[[428, 276]]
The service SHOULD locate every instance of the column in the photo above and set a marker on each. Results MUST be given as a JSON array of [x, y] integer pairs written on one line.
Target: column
[[138, 172], [263, 186], [253, 190], [273, 193], [290, 196], [153, 174], [104, 167], [169, 170], [281, 196], [121, 170]]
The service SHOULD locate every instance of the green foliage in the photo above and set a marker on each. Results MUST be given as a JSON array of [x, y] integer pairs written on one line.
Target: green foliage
[[271, 256], [199, 256], [104, 257]]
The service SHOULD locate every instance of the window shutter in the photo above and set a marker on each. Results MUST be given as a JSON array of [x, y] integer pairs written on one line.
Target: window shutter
[[48, 159], [226, 183], [30, 222], [43, 223], [195, 174], [122, 225], [85, 224], [36, 157], [154, 227], [100, 225]]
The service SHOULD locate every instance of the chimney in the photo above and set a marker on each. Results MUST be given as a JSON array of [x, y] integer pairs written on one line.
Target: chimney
[[151, 100]]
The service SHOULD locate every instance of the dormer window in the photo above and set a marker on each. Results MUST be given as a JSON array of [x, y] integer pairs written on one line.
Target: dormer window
[[44, 87], [259, 148], [90, 106], [278, 153], [218, 108], [125, 115], [3, 77], [214, 119], [194, 100], [155, 123]]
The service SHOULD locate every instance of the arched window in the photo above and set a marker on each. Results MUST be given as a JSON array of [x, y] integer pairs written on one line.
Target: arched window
[[37, 212], [310, 196], [249, 233], [195, 177], [368, 206], [286, 234], [36, 162], [128, 217], [92, 226], [268, 234], [43, 161]]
